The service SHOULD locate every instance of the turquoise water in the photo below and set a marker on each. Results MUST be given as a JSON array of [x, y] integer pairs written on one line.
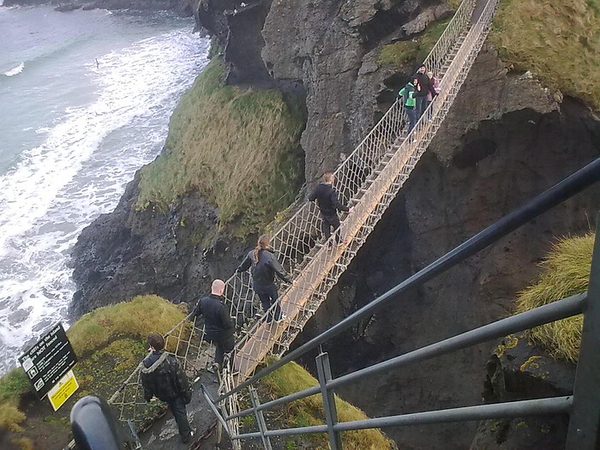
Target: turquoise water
[[85, 99]]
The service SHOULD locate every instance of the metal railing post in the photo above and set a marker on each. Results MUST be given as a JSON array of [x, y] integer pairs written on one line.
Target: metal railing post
[[324, 374], [584, 423], [260, 418]]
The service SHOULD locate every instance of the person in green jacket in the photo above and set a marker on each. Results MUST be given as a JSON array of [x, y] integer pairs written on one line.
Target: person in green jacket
[[408, 95]]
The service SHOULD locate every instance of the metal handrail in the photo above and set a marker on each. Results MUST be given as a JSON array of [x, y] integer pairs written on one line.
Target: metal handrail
[[584, 429], [521, 408], [563, 190], [548, 313], [583, 435]]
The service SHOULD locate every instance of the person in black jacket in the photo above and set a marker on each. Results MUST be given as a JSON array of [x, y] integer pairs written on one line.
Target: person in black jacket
[[264, 268], [163, 377], [424, 88], [329, 205], [217, 323]]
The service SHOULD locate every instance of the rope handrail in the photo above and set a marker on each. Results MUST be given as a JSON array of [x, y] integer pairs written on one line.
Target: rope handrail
[[369, 178]]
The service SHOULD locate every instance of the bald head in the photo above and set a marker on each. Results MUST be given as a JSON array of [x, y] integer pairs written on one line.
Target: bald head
[[218, 287]]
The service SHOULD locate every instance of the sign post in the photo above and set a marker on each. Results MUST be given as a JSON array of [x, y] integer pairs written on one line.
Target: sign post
[[47, 362]]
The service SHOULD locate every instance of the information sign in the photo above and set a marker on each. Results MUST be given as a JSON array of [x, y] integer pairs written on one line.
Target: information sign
[[48, 360]]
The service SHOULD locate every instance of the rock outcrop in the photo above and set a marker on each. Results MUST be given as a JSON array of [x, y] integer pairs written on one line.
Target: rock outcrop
[[518, 370], [130, 252], [326, 49]]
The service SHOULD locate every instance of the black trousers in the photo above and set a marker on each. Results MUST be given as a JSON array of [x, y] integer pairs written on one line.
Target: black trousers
[[328, 222], [268, 295], [177, 407], [222, 345]]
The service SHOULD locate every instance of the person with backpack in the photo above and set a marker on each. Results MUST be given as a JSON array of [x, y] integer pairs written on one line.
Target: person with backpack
[[163, 377], [264, 268], [408, 97]]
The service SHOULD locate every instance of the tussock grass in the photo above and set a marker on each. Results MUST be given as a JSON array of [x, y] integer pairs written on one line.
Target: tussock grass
[[309, 411], [558, 41], [566, 272], [141, 316], [238, 148], [412, 51]]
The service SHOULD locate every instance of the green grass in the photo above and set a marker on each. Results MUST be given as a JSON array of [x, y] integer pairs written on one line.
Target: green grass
[[137, 318], [557, 40], [566, 272], [12, 386], [413, 51], [238, 148], [309, 411], [109, 342]]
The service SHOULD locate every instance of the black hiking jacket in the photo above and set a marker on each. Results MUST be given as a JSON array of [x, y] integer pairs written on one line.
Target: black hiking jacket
[[426, 85], [163, 377], [217, 322], [327, 200], [263, 272]]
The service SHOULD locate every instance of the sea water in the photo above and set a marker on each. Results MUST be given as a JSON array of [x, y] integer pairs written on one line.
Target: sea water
[[85, 100]]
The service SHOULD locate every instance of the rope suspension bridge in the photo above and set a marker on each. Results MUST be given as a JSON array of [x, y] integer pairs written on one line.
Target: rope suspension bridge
[[370, 177]]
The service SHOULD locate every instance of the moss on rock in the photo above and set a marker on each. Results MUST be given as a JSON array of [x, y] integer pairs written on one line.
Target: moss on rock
[[412, 51]]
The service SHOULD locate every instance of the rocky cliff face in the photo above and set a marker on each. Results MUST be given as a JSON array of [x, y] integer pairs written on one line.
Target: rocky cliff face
[[505, 140], [128, 252], [327, 50], [519, 370]]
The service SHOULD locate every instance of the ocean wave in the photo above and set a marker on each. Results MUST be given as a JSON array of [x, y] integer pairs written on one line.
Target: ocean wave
[[15, 70], [79, 171]]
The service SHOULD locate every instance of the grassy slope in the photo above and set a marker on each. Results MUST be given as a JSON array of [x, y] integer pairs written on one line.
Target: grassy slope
[[309, 411], [238, 148], [400, 53], [109, 342], [566, 271], [557, 40]]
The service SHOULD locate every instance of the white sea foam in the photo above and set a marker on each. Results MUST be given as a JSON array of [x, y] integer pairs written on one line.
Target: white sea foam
[[15, 70], [79, 172]]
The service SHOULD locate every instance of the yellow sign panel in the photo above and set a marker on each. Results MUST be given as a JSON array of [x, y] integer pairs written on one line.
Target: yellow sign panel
[[59, 394]]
